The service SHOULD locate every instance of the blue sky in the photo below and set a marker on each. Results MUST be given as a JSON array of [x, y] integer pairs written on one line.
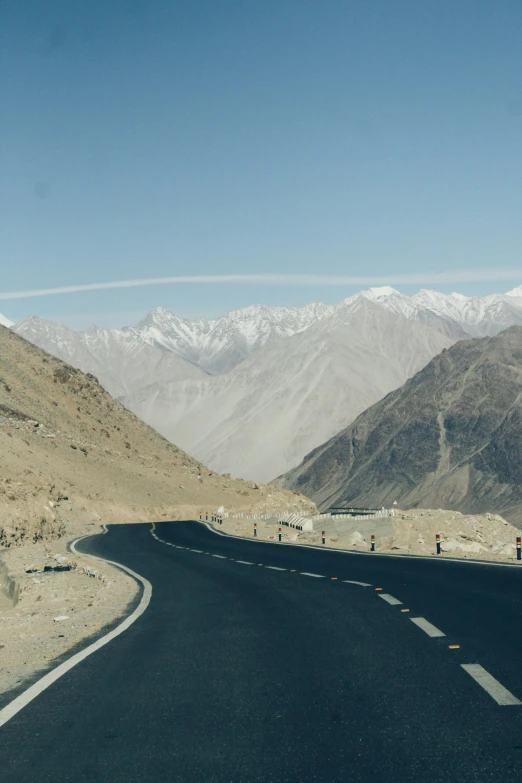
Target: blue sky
[[341, 137]]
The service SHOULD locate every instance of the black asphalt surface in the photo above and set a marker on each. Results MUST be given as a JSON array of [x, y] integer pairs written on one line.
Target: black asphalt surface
[[239, 673]]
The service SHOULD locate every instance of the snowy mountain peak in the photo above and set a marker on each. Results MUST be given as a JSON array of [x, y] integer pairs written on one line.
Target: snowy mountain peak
[[459, 297], [5, 321], [515, 291], [381, 292]]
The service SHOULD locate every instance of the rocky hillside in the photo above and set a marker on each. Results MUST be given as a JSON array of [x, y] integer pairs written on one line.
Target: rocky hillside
[[450, 437], [70, 452]]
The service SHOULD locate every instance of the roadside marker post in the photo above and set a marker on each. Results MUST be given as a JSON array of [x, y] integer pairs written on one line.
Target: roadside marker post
[[279, 534], [437, 539], [324, 539], [519, 548], [255, 529], [373, 543], [206, 517]]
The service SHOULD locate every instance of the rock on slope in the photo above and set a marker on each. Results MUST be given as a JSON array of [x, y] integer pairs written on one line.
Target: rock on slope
[[70, 451], [263, 417], [450, 438]]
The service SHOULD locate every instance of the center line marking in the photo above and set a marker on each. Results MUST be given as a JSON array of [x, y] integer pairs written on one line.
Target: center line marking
[[390, 599], [317, 576], [244, 562], [427, 627], [199, 551], [351, 582], [492, 686], [221, 557], [275, 568]]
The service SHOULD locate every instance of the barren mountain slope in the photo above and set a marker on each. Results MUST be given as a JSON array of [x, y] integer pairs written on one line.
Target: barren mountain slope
[[261, 419], [449, 438], [69, 451]]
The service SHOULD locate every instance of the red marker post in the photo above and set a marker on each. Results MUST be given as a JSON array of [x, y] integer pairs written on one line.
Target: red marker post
[[519, 548], [373, 544], [437, 539], [279, 534], [255, 529]]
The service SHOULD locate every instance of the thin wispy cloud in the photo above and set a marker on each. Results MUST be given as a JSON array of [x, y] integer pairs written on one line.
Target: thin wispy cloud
[[426, 278]]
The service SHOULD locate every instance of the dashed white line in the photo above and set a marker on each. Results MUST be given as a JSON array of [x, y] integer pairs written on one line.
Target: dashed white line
[[317, 576], [351, 582], [244, 562], [275, 568], [492, 686], [427, 627], [199, 551], [390, 599], [221, 557]]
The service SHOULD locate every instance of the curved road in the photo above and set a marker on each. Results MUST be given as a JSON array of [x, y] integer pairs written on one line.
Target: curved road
[[259, 662]]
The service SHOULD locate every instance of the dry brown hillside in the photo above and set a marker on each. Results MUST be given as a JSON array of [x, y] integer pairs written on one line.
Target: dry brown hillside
[[69, 453]]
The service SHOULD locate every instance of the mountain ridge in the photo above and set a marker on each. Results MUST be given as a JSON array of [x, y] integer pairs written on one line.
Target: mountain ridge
[[447, 438]]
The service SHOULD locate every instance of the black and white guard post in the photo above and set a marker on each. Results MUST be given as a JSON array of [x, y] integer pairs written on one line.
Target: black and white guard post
[[322, 536], [255, 529], [206, 517], [437, 539], [279, 534], [373, 543], [519, 548]]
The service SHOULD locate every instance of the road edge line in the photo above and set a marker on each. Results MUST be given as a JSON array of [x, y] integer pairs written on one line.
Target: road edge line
[[34, 690]]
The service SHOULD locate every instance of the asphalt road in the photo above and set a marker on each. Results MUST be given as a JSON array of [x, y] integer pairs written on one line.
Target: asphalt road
[[244, 672]]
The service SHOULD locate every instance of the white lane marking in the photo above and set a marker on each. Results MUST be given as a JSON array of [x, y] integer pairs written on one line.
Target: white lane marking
[[244, 562], [275, 568], [317, 576], [390, 599], [48, 679], [351, 582], [221, 557], [199, 551], [492, 686], [427, 627]]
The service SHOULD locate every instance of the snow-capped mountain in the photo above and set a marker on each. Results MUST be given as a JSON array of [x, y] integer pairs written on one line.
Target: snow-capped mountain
[[217, 346], [454, 314], [162, 366], [292, 395], [5, 321]]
